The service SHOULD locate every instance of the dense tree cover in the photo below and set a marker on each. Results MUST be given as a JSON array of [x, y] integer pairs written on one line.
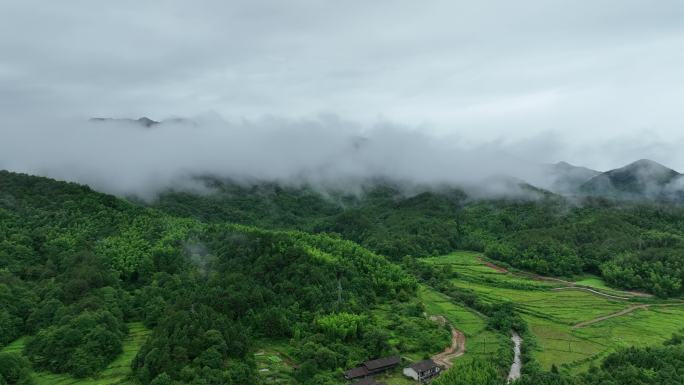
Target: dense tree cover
[[381, 217], [313, 289], [64, 278], [76, 265], [14, 370], [633, 245]]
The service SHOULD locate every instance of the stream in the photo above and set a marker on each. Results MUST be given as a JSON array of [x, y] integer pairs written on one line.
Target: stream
[[514, 374]]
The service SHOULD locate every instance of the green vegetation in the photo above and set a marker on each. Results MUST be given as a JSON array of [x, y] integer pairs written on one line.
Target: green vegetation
[[551, 314], [644, 366], [282, 285], [79, 266], [480, 340], [472, 372], [117, 372], [630, 245]]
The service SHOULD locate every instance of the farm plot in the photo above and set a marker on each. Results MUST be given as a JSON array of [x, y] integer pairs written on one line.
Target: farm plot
[[552, 314]]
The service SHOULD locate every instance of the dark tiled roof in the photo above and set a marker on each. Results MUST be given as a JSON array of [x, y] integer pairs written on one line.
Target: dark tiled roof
[[361, 371], [381, 363], [424, 365]]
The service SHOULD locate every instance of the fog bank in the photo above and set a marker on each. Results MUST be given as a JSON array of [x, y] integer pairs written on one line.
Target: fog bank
[[127, 158], [327, 152]]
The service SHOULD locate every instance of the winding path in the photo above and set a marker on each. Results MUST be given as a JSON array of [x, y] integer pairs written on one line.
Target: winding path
[[453, 351], [623, 312], [570, 285]]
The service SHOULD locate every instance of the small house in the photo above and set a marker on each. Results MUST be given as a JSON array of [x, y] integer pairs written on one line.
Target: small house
[[422, 370], [371, 367]]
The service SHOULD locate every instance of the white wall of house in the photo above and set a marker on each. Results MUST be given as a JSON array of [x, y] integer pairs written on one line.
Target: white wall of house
[[409, 372]]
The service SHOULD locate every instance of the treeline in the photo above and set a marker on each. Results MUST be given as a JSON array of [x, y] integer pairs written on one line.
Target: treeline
[[639, 366], [637, 246], [632, 245]]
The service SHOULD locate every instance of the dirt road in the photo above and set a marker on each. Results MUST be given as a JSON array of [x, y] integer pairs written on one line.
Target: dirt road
[[570, 285], [453, 351], [623, 312], [609, 316], [583, 288]]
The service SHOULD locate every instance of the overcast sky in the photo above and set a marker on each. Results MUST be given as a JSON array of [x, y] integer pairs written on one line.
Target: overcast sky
[[592, 82]]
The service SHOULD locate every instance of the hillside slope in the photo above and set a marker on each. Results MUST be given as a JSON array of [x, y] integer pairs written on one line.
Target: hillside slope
[[643, 179], [77, 266]]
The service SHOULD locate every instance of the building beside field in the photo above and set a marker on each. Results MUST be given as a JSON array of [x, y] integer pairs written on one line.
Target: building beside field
[[371, 367], [423, 370]]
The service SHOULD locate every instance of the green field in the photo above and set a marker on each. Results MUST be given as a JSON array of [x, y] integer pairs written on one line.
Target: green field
[[551, 313], [274, 363], [479, 340], [117, 372]]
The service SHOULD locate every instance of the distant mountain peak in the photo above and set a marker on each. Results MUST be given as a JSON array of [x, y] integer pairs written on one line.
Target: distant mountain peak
[[565, 178], [643, 179], [647, 163], [143, 121], [147, 122]]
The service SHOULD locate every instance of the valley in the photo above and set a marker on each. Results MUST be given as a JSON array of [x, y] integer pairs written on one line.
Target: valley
[[571, 328], [286, 286], [341, 193]]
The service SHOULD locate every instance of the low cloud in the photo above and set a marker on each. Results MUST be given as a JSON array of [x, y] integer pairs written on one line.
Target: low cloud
[[127, 158]]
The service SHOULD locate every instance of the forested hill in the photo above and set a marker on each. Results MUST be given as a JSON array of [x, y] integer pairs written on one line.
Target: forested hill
[[76, 266], [633, 245]]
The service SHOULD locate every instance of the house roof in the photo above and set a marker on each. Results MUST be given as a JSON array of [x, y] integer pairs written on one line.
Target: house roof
[[382, 362], [361, 371], [424, 365]]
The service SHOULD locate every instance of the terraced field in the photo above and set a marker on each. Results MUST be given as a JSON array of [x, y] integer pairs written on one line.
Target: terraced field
[[552, 313], [479, 340], [117, 373]]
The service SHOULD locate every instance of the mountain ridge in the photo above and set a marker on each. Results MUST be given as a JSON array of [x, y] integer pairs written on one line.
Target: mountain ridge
[[641, 179]]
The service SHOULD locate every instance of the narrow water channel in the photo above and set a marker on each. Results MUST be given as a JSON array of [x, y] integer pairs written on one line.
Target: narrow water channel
[[514, 374]]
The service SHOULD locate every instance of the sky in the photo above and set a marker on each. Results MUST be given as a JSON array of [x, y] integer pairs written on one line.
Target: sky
[[594, 83]]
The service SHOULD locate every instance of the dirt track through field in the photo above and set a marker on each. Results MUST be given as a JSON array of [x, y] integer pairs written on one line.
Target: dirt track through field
[[591, 291], [570, 285], [609, 316], [623, 312], [453, 351]]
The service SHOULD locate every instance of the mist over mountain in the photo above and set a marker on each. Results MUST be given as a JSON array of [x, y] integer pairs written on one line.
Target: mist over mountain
[[566, 178], [128, 157], [643, 179], [143, 157], [144, 121]]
